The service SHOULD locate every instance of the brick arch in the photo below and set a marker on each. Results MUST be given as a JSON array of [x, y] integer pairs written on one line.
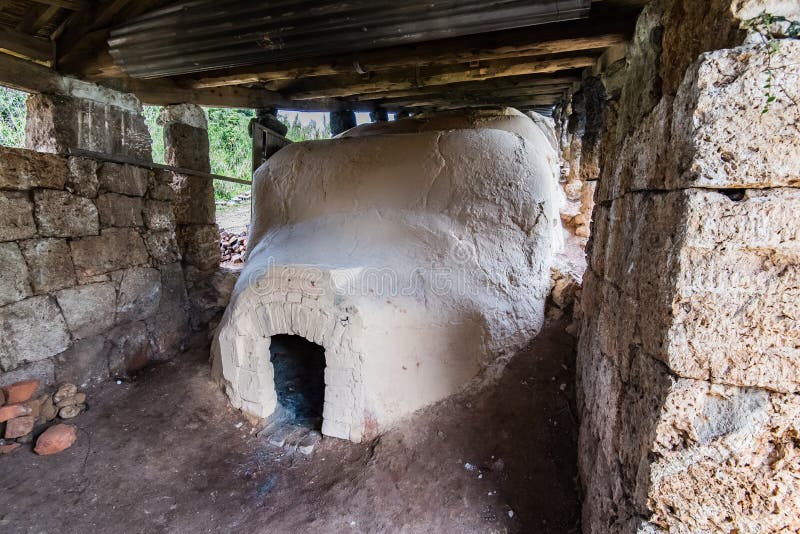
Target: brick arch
[[242, 348]]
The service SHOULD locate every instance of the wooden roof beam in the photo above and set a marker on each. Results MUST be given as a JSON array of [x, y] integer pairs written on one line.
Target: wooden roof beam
[[480, 86], [26, 46], [606, 27], [521, 44], [72, 5], [31, 77], [447, 103], [346, 86]]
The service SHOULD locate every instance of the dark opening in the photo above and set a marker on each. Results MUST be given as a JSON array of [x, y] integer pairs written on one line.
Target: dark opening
[[299, 378]]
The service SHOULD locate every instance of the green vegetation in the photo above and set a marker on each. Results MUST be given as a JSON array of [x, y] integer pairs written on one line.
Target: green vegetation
[[12, 117], [771, 29], [229, 140]]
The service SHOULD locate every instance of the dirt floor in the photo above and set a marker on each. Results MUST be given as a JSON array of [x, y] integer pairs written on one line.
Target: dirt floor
[[165, 453], [233, 218]]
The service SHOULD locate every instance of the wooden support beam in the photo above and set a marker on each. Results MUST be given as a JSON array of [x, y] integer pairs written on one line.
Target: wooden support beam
[[344, 86], [25, 46], [34, 78], [45, 18], [480, 86], [27, 76], [448, 103], [568, 37], [72, 5]]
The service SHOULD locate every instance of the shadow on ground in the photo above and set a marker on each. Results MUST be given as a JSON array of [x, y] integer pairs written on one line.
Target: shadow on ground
[[165, 453]]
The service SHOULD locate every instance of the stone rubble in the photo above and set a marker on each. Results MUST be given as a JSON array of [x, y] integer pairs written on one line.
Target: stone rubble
[[24, 415], [232, 246]]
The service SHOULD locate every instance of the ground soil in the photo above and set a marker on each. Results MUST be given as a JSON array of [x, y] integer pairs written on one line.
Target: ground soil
[[166, 453], [234, 219]]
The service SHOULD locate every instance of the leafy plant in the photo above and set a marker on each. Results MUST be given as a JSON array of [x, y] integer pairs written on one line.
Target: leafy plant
[[12, 117], [770, 29]]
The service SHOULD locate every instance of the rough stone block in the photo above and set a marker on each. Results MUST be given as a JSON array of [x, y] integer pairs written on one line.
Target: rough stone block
[[62, 214], [186, 145], [31, 330], [200, 245], [139, 294], [115, 248], [163, 246], [124, 179], [84, 362], [711, 443], [82, 179], [89, 309], [119, 210], [25, 169], [194, 202], [16, 216], [161, 186], [56, 123], [42, 371], [50, 264], [130, 348], [158, 215], [173, 290], [710, 313], [14, 284], [725, 144], [169, 333]]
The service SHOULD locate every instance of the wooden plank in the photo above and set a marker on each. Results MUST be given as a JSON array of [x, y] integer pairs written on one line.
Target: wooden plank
[[451, 103], [72, 5], [31, 77], [107, 13], [575, 36], [27, 76], [25, 46], [45, 18], [481, 86], [117, 158], [344, 86], [163, 92]]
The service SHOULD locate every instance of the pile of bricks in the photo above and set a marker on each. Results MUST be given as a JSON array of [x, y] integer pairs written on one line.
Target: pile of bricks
[[232, 246], [24, 415]]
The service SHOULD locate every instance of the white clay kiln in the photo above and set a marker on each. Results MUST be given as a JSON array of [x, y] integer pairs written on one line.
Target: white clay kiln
[[416, 259]]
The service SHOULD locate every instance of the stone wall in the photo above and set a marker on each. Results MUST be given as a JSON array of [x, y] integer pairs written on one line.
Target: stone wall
[[91, 284], [688, 362], [107, 122], [186, 145]]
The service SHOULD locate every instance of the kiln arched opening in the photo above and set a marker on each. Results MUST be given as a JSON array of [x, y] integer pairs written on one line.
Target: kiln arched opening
[[299, 370]]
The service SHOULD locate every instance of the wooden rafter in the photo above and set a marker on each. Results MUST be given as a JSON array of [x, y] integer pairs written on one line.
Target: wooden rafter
[[72, 5], [486, 86], [344, 86], [466, 50], [25, 46]]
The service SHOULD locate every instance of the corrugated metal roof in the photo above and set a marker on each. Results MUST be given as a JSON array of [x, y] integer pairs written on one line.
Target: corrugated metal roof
[[212, 34]]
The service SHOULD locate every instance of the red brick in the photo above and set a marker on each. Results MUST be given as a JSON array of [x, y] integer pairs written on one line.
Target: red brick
[[2, 397], [13, 410], [19, 426], [56, 439], [9, 448], [21, 391]]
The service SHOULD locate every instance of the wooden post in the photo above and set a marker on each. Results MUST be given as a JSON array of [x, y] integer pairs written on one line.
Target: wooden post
[[341, 121], [379, 115]]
